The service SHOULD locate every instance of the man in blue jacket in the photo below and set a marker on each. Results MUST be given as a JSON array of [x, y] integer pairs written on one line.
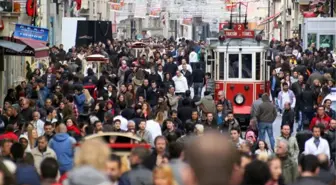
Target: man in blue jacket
[[63, 145], [79, 99]]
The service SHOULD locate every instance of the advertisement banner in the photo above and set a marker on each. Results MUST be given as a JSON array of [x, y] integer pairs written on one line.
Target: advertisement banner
[[187, 20], [116, 5], [140, 10], [31, 32], [155, 8]]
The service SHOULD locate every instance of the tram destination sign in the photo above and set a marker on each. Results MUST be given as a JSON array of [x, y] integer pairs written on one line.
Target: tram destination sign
[[239, 32]]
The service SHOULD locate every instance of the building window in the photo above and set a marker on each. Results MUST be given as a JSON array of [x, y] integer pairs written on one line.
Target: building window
[[93, 8]]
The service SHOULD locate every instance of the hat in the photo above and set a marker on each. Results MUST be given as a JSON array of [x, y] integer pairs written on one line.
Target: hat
[[87, 175]]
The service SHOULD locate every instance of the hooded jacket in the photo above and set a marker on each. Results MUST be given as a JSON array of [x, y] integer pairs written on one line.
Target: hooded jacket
[[23, 136], [266, 111], [62, 144]]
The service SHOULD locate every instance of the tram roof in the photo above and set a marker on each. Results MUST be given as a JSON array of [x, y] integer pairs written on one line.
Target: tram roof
[[239, 42]]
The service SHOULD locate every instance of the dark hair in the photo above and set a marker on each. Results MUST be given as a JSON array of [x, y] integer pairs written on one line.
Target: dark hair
[[47, 123], [96, 122], [116, 158], [235, 129], [175, 150], [17, 151], [10, 128], [70, 98], [141, 152], [208, 74], [49, 168], [266, 146], [309, 163], [285, 84], [28, 159], [317, 126], [50, 110], [252, 173], [284, 125]]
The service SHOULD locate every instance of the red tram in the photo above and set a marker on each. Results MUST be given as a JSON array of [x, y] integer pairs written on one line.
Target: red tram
[[237, 60]]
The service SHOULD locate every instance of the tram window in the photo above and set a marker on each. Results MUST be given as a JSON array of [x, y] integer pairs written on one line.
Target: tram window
[[258, 63], [221, 66], [246, 66], [233, 66]]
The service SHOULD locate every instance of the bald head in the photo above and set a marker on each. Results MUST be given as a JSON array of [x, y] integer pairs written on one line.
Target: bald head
[[211, 162], [323, 161], [62, 128]]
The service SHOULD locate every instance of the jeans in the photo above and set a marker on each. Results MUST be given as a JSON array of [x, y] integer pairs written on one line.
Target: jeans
[[198, 89], [264, 127]]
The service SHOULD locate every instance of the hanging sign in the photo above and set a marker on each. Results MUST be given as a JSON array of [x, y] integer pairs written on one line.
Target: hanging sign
[[239, 32]]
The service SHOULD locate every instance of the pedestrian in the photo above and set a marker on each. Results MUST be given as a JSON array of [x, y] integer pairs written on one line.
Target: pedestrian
[[266, 114], [62, 144]]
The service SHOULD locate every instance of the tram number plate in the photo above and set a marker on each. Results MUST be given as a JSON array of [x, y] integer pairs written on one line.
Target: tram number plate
[[236, 34]]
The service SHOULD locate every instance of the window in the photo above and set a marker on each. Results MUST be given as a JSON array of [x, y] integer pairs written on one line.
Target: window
[[221, 66], [258, 63], [93, 8], [246, 66], [233, 66]]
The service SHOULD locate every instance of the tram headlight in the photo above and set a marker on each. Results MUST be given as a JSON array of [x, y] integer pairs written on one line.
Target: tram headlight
[[239, 99]]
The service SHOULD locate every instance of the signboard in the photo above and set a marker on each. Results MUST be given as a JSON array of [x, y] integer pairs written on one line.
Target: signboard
[[222, 25], [31, 32], [239, 32], [26, 52]]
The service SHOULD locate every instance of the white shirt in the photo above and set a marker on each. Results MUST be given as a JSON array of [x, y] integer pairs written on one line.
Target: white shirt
[[193, 57], [181, 84], [188, 68], [154, 128], [39, 125], [161, 74], [323, 147], [123, 122]]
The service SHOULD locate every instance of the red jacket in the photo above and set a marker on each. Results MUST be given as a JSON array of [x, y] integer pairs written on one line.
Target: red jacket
[[317, 120], [9, 135], [73, 128]]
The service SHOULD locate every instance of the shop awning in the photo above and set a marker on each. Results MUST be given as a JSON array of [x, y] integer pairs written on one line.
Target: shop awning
[[40, 48], [12, 45], [270, 18]]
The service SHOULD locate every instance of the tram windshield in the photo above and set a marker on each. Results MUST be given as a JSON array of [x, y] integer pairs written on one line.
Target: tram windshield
[[234, 66], [240, 66], [246, 65]]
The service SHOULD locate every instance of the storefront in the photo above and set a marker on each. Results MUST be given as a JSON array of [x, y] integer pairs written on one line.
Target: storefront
[[320, 31]]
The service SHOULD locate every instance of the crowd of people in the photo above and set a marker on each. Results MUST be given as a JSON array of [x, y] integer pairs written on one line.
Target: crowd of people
[[164, 97]]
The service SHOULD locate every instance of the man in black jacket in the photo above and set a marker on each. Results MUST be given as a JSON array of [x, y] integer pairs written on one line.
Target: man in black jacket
[[288, 116], [198, 80], [325, 175], [309, 170], [330, 135]]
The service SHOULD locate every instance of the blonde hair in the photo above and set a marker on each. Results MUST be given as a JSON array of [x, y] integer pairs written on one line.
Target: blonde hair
[[166, 172], [87, 94], [93, 152]]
